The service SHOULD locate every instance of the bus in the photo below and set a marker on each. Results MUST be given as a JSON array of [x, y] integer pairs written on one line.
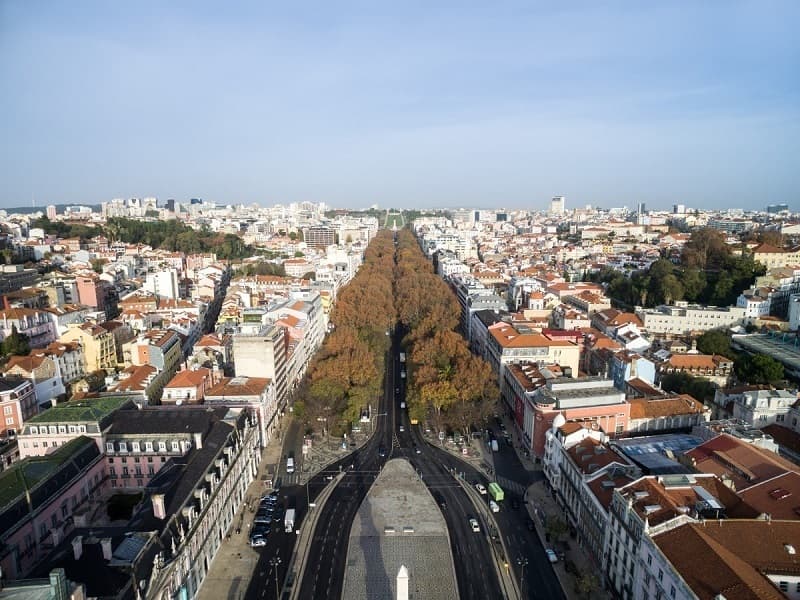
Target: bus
[[496, 492]]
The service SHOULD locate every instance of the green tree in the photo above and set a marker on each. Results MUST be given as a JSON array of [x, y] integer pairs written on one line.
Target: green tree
[[715, 341], [15, 344], [758, 369], [97, 264]]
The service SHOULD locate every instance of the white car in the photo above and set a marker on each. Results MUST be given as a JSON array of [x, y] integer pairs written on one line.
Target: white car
[[402, 405], [402, 429], [551, 555], [473, 523], [480, 488], [494, 506]]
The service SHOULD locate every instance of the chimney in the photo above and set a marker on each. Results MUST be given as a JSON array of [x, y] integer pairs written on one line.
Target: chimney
[[159, 511], [105, 544], [402, 583], [77, 547], [5, 302], [198, 440]]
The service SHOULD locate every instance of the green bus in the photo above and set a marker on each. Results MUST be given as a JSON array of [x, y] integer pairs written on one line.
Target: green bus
[[496, 492]]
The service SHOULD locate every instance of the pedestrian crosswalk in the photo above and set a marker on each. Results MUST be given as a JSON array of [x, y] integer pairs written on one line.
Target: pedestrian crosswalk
[[510, 486]]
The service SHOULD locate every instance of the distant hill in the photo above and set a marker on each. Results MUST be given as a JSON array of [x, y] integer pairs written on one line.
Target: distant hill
[[60, 208]]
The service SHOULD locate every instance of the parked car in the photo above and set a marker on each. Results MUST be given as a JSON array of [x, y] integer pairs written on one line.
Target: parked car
[[473, 523], [258, 541], [551, 555], [481, 489], [494, 506]]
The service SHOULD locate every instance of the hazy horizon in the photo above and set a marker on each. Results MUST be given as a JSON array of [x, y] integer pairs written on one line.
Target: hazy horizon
[[411, 106]]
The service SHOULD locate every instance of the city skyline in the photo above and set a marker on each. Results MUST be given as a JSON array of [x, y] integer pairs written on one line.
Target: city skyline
[[404, 107]]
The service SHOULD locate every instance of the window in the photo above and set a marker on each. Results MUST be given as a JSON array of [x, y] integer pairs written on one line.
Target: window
[[34, 430], [780, 418], [64, 511], [162, 446], [660, 575], [123, 446], [82, 428], [151, 471], [111, 461], [10, 421], [72, 429], [148, 446], [62, 429], [112, 471], [7, 410], [54, 520], [109, 446], [176, 447], [672, 591], [149, 459], [649, 560], [784, 586], [136, 447], [52, 429]]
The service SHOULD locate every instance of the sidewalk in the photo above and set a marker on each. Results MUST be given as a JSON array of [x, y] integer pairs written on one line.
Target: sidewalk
[[235, 562], [540, 506]]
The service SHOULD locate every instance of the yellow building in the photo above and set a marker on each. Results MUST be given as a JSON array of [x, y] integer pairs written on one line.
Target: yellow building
[[99, 348]]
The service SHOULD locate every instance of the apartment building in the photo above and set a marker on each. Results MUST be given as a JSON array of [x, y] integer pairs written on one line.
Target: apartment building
[[653, 415], [99, 349], [166, 548], [43, 373], [254, 395], [187, 387], [18, 404], [682, 318], [583, 471], [537, 396], [263, 353], [57, 426], [717, 369], [649, 506], [741, 558], [757, 406], [516, 343], [41, 496], [36, 324]]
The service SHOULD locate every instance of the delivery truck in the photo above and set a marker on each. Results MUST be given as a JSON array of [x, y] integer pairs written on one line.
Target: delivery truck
[[288, 520]]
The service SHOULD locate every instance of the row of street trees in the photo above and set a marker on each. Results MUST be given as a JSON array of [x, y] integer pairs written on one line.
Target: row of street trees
[[347, 373], [446, 381]]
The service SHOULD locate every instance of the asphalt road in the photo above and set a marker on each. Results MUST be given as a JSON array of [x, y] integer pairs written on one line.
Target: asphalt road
[[472, 552]]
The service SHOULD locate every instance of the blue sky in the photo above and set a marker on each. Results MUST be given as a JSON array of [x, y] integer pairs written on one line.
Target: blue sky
[[412, 104]]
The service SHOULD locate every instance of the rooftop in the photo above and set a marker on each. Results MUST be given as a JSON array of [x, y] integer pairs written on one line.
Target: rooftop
[[730, 558], [81, 411]]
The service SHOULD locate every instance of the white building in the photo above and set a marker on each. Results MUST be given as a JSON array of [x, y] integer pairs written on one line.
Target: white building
[[163, 283], [557, 205], [682, 318]]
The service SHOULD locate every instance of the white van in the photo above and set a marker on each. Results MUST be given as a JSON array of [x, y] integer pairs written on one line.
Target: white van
[[290, 465]]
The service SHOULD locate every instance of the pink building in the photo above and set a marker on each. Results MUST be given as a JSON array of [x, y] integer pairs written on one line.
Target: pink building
[[43, 499], [17, 403], [538, 395]]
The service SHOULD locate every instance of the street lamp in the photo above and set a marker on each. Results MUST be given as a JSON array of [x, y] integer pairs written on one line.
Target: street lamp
[[522, 561], [275, 561]]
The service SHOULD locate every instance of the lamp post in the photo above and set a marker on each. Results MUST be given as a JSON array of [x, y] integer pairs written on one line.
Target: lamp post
[[522, 561], [275, 561]]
